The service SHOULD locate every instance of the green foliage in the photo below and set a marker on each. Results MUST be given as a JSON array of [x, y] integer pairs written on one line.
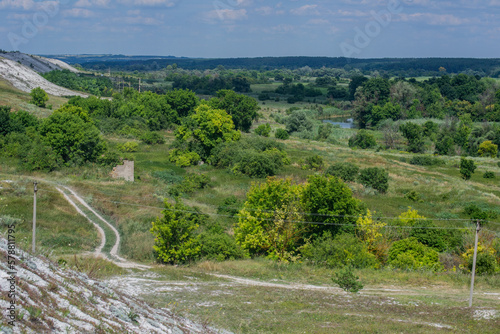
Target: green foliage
[[152, 138], [298, 122], [39, 97], [426, 160], [190, 184], [347, 281], [219, 247], [346, 171], [183, 101], [338, 252], [229, 206], [362, 139], [489, 175], [282, 134], [206, 129], [413, 133], [128, 147], [328, 200], [265, 225], [412, 195], [410, 254], [243, 109], [90, 83], [263, 130], [73, 139], [485, 263], [487, 148], [428, 234], [255, 157], [314, 162], [175, 238], [324, 131], [183, 158], [374, 177], [40, 156], [467, 168]]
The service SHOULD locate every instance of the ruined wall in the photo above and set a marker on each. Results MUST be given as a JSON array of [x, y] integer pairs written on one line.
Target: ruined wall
[[125, 171]]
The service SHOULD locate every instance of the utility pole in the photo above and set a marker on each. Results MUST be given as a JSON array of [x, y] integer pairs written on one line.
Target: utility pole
[[139, 85], [478, 227], [34, 216]]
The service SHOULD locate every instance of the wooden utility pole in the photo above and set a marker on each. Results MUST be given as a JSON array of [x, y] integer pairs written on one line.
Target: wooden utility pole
[[34, 216], [139, 85], [478, 227]]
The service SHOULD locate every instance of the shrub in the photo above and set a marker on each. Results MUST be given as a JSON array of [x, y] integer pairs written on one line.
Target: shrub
[[282, 134], [374, 177], [314, 162], [412, 255], [39, 97], [257, 164], [346, 171], [343, 250], [485, 261], [229, 206], [183, 158], [363, 139], [190, 184], [298, 122], [467, 168], [425, 160], [489, 175], [128, 147], [152, 138], [109, 158], [487, 148], [324, 131], [347, 281], [263, 130], [426, 233], [412, 195], [175, 239], [219, 247]]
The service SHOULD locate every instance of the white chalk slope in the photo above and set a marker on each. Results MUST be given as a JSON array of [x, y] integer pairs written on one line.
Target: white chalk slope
[[26, 79]]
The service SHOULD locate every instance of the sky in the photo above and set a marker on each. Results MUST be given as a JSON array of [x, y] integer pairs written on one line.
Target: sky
[[253, 28]]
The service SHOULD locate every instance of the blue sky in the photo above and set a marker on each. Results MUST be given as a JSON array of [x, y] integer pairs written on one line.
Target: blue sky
[[252, 28]]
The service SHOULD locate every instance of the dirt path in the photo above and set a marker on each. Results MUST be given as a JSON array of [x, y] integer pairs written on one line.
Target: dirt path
[[121, 262]]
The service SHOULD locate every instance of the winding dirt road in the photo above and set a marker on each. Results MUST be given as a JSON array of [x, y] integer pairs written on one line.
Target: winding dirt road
[[114, 257]]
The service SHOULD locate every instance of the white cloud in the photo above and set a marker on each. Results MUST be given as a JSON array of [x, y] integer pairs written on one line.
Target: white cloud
[[435, 19], [138, 20], [92, 3], [318, 21], [264, 10], [226, 14], [24, 4], [78, 12], [165, 3], [305, 10]]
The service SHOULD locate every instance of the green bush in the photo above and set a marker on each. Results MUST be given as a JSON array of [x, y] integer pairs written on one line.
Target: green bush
[[346, 171], [347, 281], [282, 134], [489, 175], [426, 233], [343, 250], [412, 195], [39, 97], [229, 206], [219, 247], [263, 130], [190, 184], [425, 160], [485, 263], [298, 122], [363, 139], [467, 168], [109, 158], [324, 131], [129, 147], [374, 177], [314, 162], [259, 164], [410, 254], [152, 138]]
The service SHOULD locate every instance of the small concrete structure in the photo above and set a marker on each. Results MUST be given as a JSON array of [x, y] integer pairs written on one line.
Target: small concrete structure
[[125, 171]]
